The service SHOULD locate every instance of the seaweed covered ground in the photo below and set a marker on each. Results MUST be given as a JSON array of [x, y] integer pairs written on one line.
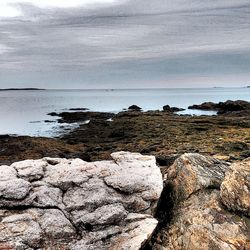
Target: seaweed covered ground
[[160, 133]]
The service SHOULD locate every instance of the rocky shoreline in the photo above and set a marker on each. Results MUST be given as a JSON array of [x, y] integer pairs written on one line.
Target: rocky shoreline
[[163, 134], [199, 200]]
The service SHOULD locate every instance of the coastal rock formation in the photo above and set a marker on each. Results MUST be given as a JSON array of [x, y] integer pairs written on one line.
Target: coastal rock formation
[[171, 109], [235, 189], [81, 116], [134, 108], [224, 107], [193, 172], [199, 220], [72, 204]]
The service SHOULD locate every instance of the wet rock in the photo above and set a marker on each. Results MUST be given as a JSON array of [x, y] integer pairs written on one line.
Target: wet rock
[[224, 107], [235, 189], [134, 108], [72, 117], [71, 204], [78, 109], [172, 109], [205, 106]]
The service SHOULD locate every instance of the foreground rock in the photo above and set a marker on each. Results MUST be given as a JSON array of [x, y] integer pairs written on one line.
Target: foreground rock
[[71, 204], [235, 189], [199, 219]]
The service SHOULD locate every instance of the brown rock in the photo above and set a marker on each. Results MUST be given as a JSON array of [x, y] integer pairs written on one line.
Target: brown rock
[[235, 189]]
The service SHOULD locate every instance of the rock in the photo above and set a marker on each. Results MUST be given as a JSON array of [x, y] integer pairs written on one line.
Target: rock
[[81, 116], [134, 108], [235, 189], [172, 109], [78, 109], [231, 106], [205, 106], [193, 172], [198, 219], [201, 223], [30, 169], [224, 107], [72, 204]]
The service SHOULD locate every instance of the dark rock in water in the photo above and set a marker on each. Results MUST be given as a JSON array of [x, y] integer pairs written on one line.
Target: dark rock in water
[[72, 117], [224, 107], [78, 109], [49, 121], [135, 108], [172, 109], [205, 106], [230, 106], [53, 114]]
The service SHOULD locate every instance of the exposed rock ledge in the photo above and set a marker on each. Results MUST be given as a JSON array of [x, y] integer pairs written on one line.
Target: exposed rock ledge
[[72, 204], [210, 205]]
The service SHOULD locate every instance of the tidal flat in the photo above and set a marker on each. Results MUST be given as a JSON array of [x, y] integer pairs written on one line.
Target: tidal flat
[[160, 133]]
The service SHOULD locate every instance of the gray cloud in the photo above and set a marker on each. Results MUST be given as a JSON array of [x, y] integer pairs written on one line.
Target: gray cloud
[[136, 43]]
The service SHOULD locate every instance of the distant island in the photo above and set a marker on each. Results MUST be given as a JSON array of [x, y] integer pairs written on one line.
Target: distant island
[[11, 89]]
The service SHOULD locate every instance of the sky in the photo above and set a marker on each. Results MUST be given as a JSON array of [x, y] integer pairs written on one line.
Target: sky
[[124, 43]]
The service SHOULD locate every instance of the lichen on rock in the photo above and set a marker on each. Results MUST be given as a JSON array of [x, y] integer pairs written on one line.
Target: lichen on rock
[[73, 204], [235, 189]]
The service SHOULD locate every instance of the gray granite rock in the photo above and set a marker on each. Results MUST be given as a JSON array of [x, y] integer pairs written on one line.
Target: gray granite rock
[[72, 204]]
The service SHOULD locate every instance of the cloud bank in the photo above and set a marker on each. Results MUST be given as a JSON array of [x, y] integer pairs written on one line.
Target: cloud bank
[[124, 43]]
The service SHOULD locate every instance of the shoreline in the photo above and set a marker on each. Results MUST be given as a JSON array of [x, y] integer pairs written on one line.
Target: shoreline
[[160, 133]]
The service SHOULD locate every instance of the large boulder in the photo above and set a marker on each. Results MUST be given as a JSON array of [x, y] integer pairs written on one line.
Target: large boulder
[[198, 219], [72, 204], [235, 189], [202, 223], [193, 172]]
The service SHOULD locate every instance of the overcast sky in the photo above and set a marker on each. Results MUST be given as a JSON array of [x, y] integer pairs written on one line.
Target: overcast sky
[[124, 43]]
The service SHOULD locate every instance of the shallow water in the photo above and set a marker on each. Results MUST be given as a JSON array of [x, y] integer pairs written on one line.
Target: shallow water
[[24, 112]]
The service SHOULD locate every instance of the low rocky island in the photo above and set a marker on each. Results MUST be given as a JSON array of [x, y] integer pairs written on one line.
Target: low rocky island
[[20, 89]]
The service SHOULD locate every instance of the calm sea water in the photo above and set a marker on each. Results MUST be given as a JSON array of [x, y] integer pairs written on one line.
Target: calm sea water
[[24, 112]]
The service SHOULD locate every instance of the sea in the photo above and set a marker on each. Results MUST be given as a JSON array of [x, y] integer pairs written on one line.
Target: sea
[[24, 112]]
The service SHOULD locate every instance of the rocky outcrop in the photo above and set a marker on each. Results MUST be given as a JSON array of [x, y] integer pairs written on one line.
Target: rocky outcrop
[[235, 189], [193, 172], [199, 220], [81, 116], [224, 107], [134, 108], [71, 204], [171, 109]]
